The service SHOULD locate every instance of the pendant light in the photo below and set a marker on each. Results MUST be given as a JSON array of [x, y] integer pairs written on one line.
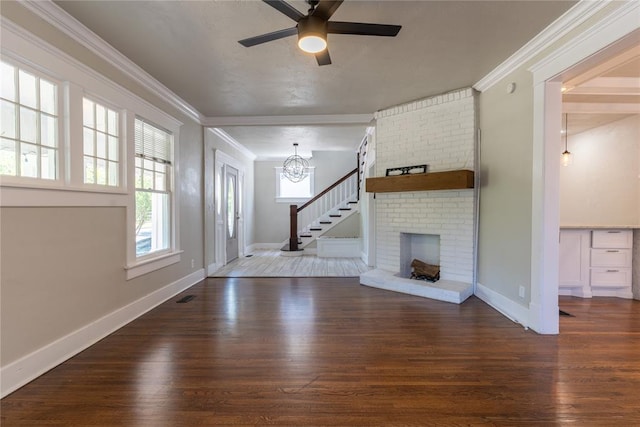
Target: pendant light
[[566, 155], [295, 168]]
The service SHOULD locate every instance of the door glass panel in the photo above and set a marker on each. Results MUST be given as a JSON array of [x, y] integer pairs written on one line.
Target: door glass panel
[[231, 206]]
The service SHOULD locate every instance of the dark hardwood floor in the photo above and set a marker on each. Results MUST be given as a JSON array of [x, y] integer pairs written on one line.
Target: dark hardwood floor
[[327, 351]]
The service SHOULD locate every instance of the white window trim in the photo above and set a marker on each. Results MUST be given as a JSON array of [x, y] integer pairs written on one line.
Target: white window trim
[[122, 161], [25, 181], [74, 78], [290, 200], [138, 266]]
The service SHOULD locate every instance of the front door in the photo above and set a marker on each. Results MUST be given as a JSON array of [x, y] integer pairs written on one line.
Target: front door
[[231, 180]]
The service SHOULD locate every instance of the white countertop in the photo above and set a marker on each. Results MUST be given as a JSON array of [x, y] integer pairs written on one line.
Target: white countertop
[[599, 227]]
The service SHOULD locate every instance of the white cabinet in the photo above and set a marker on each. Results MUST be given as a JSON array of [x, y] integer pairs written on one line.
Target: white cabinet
[[611, 253], [574, 263], [595, 262]]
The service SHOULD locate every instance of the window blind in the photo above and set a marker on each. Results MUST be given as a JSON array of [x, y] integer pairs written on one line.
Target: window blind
[[152, 143]]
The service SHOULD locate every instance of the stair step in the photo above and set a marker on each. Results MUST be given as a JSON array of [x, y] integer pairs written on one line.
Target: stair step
[[335, 216], [353, 203], [325, 222], [344, 209], [315, 229], [305, 235]]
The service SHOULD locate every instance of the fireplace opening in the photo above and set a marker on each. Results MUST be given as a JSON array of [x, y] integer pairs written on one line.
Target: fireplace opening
[[422, 247]]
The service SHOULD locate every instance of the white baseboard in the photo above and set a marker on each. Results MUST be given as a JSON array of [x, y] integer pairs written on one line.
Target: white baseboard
[[212, 268], [509, 308], [31, 366]]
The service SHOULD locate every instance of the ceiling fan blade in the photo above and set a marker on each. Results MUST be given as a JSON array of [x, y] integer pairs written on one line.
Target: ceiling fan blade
[[362, 29], [285, 8], [326, 8], [252, 41], [323, 57]]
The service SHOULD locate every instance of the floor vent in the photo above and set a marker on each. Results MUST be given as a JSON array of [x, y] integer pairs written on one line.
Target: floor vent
[[564, 313], [249, 256], [185, 299]]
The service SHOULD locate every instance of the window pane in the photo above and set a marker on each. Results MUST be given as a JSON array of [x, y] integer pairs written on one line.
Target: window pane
[[112, 122], [8, 119], [101, 145], [148, 164], [89, 170], [138, 178], [48, 130], [152, 222], [47, 97], [28, 89], [88, 142], [113, 148], [101, 172], [147, 179], [7, 157], [113, 173], [48, 163], [101, 118], [160, 182], [295, 189], [29, 160], [28, 125], [231, 207], [7, 75], [87, 113]]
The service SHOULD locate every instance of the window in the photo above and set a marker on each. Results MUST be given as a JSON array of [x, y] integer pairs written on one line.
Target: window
[[153, 180], [28, 125], [287, 191], [100, 144]]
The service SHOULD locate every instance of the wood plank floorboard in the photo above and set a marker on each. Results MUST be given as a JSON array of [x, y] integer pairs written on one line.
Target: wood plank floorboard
[[269, 263], [329, 352]]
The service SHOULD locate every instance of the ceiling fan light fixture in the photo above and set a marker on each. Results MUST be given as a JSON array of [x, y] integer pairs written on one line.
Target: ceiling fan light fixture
[[312, 34], [312, 43]]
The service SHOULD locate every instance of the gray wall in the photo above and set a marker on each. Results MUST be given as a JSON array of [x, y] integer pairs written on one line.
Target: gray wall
[[63, 267], [272, 218], [504, 248], [506, 159]]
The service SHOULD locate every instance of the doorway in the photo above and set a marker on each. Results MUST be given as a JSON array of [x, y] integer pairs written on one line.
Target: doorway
[[232, 217], [224, 223], [618, 33]]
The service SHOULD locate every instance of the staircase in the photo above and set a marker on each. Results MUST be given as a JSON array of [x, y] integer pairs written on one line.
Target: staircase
[[326, 210], [322, 225], [322, 213]]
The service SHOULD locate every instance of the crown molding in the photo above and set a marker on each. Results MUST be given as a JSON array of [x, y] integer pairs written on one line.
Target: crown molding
[[296, 120], [618, 24], [557, 29], [56, 16], [233, 143]]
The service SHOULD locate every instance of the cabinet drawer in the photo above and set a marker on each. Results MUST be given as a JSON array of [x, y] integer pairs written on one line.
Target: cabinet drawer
[[610, 277], [611, 258], [621, 239]]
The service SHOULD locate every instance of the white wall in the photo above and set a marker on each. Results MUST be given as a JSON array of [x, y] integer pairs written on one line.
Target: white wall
[[272, 218], [602, 184], [440, 132]]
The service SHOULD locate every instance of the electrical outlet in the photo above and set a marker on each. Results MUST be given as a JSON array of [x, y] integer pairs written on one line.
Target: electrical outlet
[[193, 263], [521, 291]]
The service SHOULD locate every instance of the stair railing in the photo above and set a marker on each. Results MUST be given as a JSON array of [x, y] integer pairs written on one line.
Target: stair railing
[[330, 198]]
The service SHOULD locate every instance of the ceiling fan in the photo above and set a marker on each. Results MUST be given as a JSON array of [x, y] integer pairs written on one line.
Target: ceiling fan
[[312, 28]]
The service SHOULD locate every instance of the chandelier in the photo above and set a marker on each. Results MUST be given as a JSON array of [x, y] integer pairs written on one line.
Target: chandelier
[[295, 167]]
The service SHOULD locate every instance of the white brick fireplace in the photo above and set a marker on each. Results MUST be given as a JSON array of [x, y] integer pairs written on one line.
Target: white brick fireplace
[[439, 132]]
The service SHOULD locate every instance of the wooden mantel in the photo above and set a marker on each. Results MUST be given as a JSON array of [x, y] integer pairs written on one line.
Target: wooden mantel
[[449, 180]]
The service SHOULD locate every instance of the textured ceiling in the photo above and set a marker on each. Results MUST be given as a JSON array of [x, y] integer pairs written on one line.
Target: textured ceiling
[[191, 47]]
